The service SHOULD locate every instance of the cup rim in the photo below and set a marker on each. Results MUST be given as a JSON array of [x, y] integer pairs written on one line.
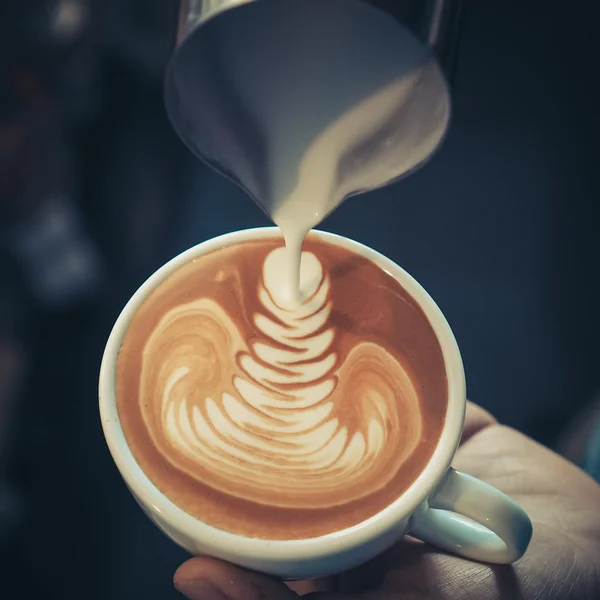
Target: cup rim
[[390, 518]]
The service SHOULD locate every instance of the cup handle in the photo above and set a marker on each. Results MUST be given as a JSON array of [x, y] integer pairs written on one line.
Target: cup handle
[[470, 518]]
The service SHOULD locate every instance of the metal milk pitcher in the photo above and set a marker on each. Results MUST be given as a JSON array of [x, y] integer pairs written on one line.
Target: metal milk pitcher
[[246, 72]]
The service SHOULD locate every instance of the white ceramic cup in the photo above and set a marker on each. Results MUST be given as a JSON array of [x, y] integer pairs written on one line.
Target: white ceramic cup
[[448, 509]]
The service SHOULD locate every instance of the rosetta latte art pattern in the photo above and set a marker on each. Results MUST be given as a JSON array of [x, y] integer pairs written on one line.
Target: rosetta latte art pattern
[[276, 415]]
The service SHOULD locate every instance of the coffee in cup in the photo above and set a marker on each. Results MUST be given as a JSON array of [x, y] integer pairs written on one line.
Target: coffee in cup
[[276, 419]]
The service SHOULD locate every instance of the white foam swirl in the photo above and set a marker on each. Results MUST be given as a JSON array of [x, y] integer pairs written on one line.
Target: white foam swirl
[[276, 419]]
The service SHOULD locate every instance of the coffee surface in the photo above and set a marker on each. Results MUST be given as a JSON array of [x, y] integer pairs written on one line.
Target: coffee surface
[[275, 420]]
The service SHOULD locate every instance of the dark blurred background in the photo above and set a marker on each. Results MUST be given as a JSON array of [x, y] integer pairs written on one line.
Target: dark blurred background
[[96, 192]]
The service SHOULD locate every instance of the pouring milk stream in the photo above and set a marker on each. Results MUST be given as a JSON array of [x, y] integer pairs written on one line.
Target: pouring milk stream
[[318, 190]]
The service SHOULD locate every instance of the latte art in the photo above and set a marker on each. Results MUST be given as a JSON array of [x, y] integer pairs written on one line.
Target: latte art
[[278, 419]]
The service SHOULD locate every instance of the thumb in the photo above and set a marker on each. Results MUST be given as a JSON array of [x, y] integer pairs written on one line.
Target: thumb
[[210, 579]]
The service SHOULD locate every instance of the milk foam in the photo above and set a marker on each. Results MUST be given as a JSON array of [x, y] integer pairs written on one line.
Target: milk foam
[[274, 417]]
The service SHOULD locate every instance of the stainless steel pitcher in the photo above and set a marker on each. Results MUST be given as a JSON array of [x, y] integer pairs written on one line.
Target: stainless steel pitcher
[[240, 63]]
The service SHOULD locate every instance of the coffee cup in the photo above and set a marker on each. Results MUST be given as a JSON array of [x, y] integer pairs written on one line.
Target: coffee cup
[[443, 507]]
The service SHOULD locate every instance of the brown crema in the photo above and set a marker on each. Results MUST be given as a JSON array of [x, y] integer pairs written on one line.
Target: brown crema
[[195, 351]]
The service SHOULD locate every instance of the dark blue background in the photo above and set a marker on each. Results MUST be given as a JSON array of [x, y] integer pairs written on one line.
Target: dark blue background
[[501, 229]]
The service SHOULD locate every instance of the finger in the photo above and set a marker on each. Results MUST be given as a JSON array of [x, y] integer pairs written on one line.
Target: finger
[[210, 579], [324, 584], [476, 420], [402, 593]]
